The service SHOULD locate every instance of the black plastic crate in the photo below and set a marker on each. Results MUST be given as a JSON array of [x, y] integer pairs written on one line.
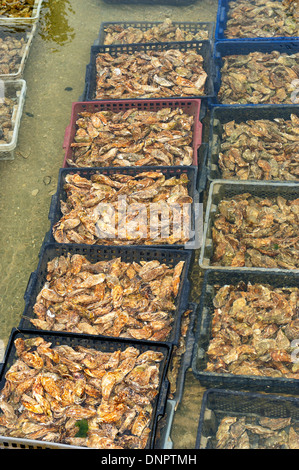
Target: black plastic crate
[[218, 404], [190, 27], [100, 253], [222, 115], [100, 344], [201, 47], [222, 189], [55, 211], [203, 333], [223, 14], [233, 47]]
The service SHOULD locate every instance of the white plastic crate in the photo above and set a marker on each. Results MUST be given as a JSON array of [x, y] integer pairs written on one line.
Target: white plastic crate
[[25, 31], [23, 20], [13, 89]]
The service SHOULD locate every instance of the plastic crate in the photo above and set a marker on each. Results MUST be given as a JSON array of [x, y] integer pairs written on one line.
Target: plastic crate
[[100, 344], [221, 23], [190, 27], [218, 404], [201, 47], [190, 107], [233, 47], [23, 20], [221, 189], [221, 116], [55, 211], [95, 254], [18, 32], [203, 333], [13, 89]]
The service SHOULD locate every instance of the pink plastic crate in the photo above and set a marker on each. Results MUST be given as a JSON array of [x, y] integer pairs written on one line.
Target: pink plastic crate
[[189, 106]]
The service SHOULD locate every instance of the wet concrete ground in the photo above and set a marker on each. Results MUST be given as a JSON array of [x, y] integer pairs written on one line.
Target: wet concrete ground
[[55, 74]]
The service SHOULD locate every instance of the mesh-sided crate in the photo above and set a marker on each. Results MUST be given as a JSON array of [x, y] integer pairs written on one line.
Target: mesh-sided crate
[[233, 47], [55, 210], [221, 189], [100, 253], [7, 20], [223, 15], [100, 344], [188, 26], [203, 48], [222, 115], [18, 32], [219, 404], [190, 107], [204, 327], [14, 89]]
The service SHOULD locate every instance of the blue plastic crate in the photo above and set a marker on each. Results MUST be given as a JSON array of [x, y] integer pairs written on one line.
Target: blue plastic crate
[[221, 22], [233, 47]]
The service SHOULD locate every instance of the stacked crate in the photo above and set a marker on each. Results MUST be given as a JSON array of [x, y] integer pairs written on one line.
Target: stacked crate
[[228, 394], [12, 85], [178, 345]]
